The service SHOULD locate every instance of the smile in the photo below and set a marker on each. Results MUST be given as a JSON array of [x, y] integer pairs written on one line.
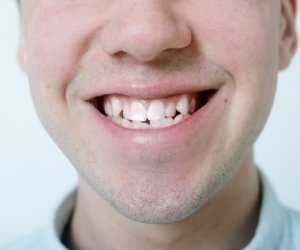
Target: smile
[[167, 115], [148, 113]]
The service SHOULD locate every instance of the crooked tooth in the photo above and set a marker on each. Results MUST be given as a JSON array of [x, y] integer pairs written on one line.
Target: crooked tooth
[[183, 105], [156, 110], [178, 118], [138, 111], [122, 122], [171, 109], [126, 123], [160, 113], [116, 106]]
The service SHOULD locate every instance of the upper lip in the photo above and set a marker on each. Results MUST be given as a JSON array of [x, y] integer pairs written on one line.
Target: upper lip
[[149, 90]]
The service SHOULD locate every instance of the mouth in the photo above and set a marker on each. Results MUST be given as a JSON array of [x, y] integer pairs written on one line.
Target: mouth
[[151, 113]]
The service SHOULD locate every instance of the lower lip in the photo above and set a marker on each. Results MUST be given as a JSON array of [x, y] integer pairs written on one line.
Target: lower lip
[[162, 137]]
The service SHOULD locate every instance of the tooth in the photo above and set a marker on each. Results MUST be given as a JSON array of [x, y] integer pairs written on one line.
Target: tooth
[[138, 111], [126, 123], [178, 118], [127, 112], [156, 123], [136, 124], [132, 113], [165, 122], [192, 106], [171, 109], [182, 105], [116, 106], [117, 120], [168, 122], [108, 108], [156, 110]]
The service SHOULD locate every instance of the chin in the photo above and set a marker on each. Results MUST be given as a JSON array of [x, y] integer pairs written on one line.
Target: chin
[[159, 202], [159, 210]]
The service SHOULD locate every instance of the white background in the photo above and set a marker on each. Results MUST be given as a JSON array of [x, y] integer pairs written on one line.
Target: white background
[[34, 174]]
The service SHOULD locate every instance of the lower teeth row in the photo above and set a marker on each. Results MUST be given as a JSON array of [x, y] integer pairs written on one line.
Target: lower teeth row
[[162, 123]]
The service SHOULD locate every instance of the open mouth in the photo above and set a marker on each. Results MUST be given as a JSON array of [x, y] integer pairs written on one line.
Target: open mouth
[[135, 113]]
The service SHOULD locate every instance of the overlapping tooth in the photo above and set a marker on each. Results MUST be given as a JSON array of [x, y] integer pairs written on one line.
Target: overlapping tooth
[[125, 123], [183, 105], [178, 118], [135, 111], [171, 109], [156, 110]]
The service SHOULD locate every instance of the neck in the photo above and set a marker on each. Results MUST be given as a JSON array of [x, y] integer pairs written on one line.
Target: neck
[[227, 221]]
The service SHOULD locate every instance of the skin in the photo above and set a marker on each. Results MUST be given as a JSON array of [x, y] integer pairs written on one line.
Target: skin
[[203, 193]]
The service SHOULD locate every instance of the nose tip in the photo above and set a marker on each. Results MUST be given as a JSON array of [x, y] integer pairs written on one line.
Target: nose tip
[[145, 36]]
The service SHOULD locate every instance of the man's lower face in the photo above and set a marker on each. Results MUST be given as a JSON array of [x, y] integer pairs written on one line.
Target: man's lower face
[[157, 172], [155, 129], [154, 172]]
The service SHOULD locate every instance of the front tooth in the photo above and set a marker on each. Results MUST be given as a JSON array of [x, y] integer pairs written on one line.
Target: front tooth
[[138, 111], [116, 106], [156, 110], [171, 109], [164, 122], [183, 105], [136, 124]]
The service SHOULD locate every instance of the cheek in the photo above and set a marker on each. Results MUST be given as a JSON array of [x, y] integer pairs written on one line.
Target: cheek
[[240, 36], [57, 36], [243, 39]]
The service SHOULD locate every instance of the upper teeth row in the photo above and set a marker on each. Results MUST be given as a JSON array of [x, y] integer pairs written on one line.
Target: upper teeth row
[[141, 110]]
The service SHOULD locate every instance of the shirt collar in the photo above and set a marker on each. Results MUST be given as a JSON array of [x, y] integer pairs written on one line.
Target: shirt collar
[[271, 223], [58, 221]]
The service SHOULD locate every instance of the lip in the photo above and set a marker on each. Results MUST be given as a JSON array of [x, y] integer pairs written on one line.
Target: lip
[[166, 137], [149, 90]]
